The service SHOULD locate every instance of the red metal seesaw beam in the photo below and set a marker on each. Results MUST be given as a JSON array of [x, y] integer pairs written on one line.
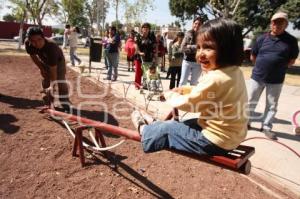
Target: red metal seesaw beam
[[130, 134], [229, 160]]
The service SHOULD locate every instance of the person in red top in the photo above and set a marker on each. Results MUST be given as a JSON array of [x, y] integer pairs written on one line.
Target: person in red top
[[130, 50]]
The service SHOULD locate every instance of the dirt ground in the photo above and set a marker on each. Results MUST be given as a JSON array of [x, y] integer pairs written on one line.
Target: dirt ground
[[36, 160]]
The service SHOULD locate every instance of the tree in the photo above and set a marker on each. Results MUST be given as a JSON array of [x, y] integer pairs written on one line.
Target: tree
[[135, 10], [293, 8], [251, 14], [10, 18], [91, 9], [20, 12], [177, 24], [255, 15], [187, 9], [117, 4], [73, 12], [38, 9], [117, 24]]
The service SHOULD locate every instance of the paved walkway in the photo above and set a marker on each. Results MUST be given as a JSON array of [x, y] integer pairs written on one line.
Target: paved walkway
[[272, 161]]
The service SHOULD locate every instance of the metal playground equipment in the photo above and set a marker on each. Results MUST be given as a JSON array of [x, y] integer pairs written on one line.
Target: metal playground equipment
[[237, 159]]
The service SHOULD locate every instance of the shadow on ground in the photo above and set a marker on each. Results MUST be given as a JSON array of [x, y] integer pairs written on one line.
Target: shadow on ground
[[128, 173], [6, 123], [19, 102]]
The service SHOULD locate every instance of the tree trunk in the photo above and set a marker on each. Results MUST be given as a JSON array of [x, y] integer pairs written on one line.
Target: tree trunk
[[117, 9], [21, 30], [226, 9]]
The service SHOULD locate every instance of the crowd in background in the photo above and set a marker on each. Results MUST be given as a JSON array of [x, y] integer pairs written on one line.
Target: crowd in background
[[146, 55]]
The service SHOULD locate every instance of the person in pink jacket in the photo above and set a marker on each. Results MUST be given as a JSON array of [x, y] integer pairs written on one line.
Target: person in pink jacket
[[130, 50]]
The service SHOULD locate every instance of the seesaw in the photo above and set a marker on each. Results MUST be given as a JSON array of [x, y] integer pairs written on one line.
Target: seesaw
[[237, 159]]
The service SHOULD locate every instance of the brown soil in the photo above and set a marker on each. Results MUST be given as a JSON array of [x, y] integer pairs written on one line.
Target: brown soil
[[36, 160]]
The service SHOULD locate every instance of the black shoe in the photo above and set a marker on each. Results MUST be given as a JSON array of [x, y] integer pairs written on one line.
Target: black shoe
[[128, 69]]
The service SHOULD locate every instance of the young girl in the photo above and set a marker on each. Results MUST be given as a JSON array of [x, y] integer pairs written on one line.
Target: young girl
[[130, 50], [220, 98], [175, 60]]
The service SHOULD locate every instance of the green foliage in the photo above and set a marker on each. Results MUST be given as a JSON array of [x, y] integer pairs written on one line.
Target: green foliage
[[292, 7], [19, 10], [253, 15], [35, 10], [188, 9], [134, 10], [9, 18], [58, 31], [117, 24], [73, 13], [38, 9]]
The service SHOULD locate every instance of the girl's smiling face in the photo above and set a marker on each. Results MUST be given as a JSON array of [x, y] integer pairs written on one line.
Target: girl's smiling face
[[206, 53]]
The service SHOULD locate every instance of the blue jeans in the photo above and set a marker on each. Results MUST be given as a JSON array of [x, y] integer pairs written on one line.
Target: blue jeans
[[272, 95], [189, 68], [113, 61], [183, 136], [105, 52], [73, 56]]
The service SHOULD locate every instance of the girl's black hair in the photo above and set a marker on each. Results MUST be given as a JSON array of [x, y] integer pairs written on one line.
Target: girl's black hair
[[227, 35]]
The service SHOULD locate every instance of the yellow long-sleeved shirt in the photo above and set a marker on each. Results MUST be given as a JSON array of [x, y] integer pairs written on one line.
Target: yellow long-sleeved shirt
[[221, 99]]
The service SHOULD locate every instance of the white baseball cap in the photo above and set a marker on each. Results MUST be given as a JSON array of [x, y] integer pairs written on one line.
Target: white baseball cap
[[280, 15]]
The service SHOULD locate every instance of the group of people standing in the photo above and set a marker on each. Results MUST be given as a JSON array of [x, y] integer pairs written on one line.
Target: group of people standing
[[221, 94], [145, 49]]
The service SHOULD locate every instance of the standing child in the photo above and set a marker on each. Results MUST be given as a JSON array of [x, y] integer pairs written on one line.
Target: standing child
[[73, 40], [220, 98], [175, 60], [153, 78], [130, 50]]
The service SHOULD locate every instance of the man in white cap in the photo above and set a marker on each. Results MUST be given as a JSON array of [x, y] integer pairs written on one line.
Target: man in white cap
[[272, 54]]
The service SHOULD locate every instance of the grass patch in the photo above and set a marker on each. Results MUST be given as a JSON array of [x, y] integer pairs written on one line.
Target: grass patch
[[12, 52]]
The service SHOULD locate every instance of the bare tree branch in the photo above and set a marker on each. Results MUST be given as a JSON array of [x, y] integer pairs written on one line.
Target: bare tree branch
[[236, 7]]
